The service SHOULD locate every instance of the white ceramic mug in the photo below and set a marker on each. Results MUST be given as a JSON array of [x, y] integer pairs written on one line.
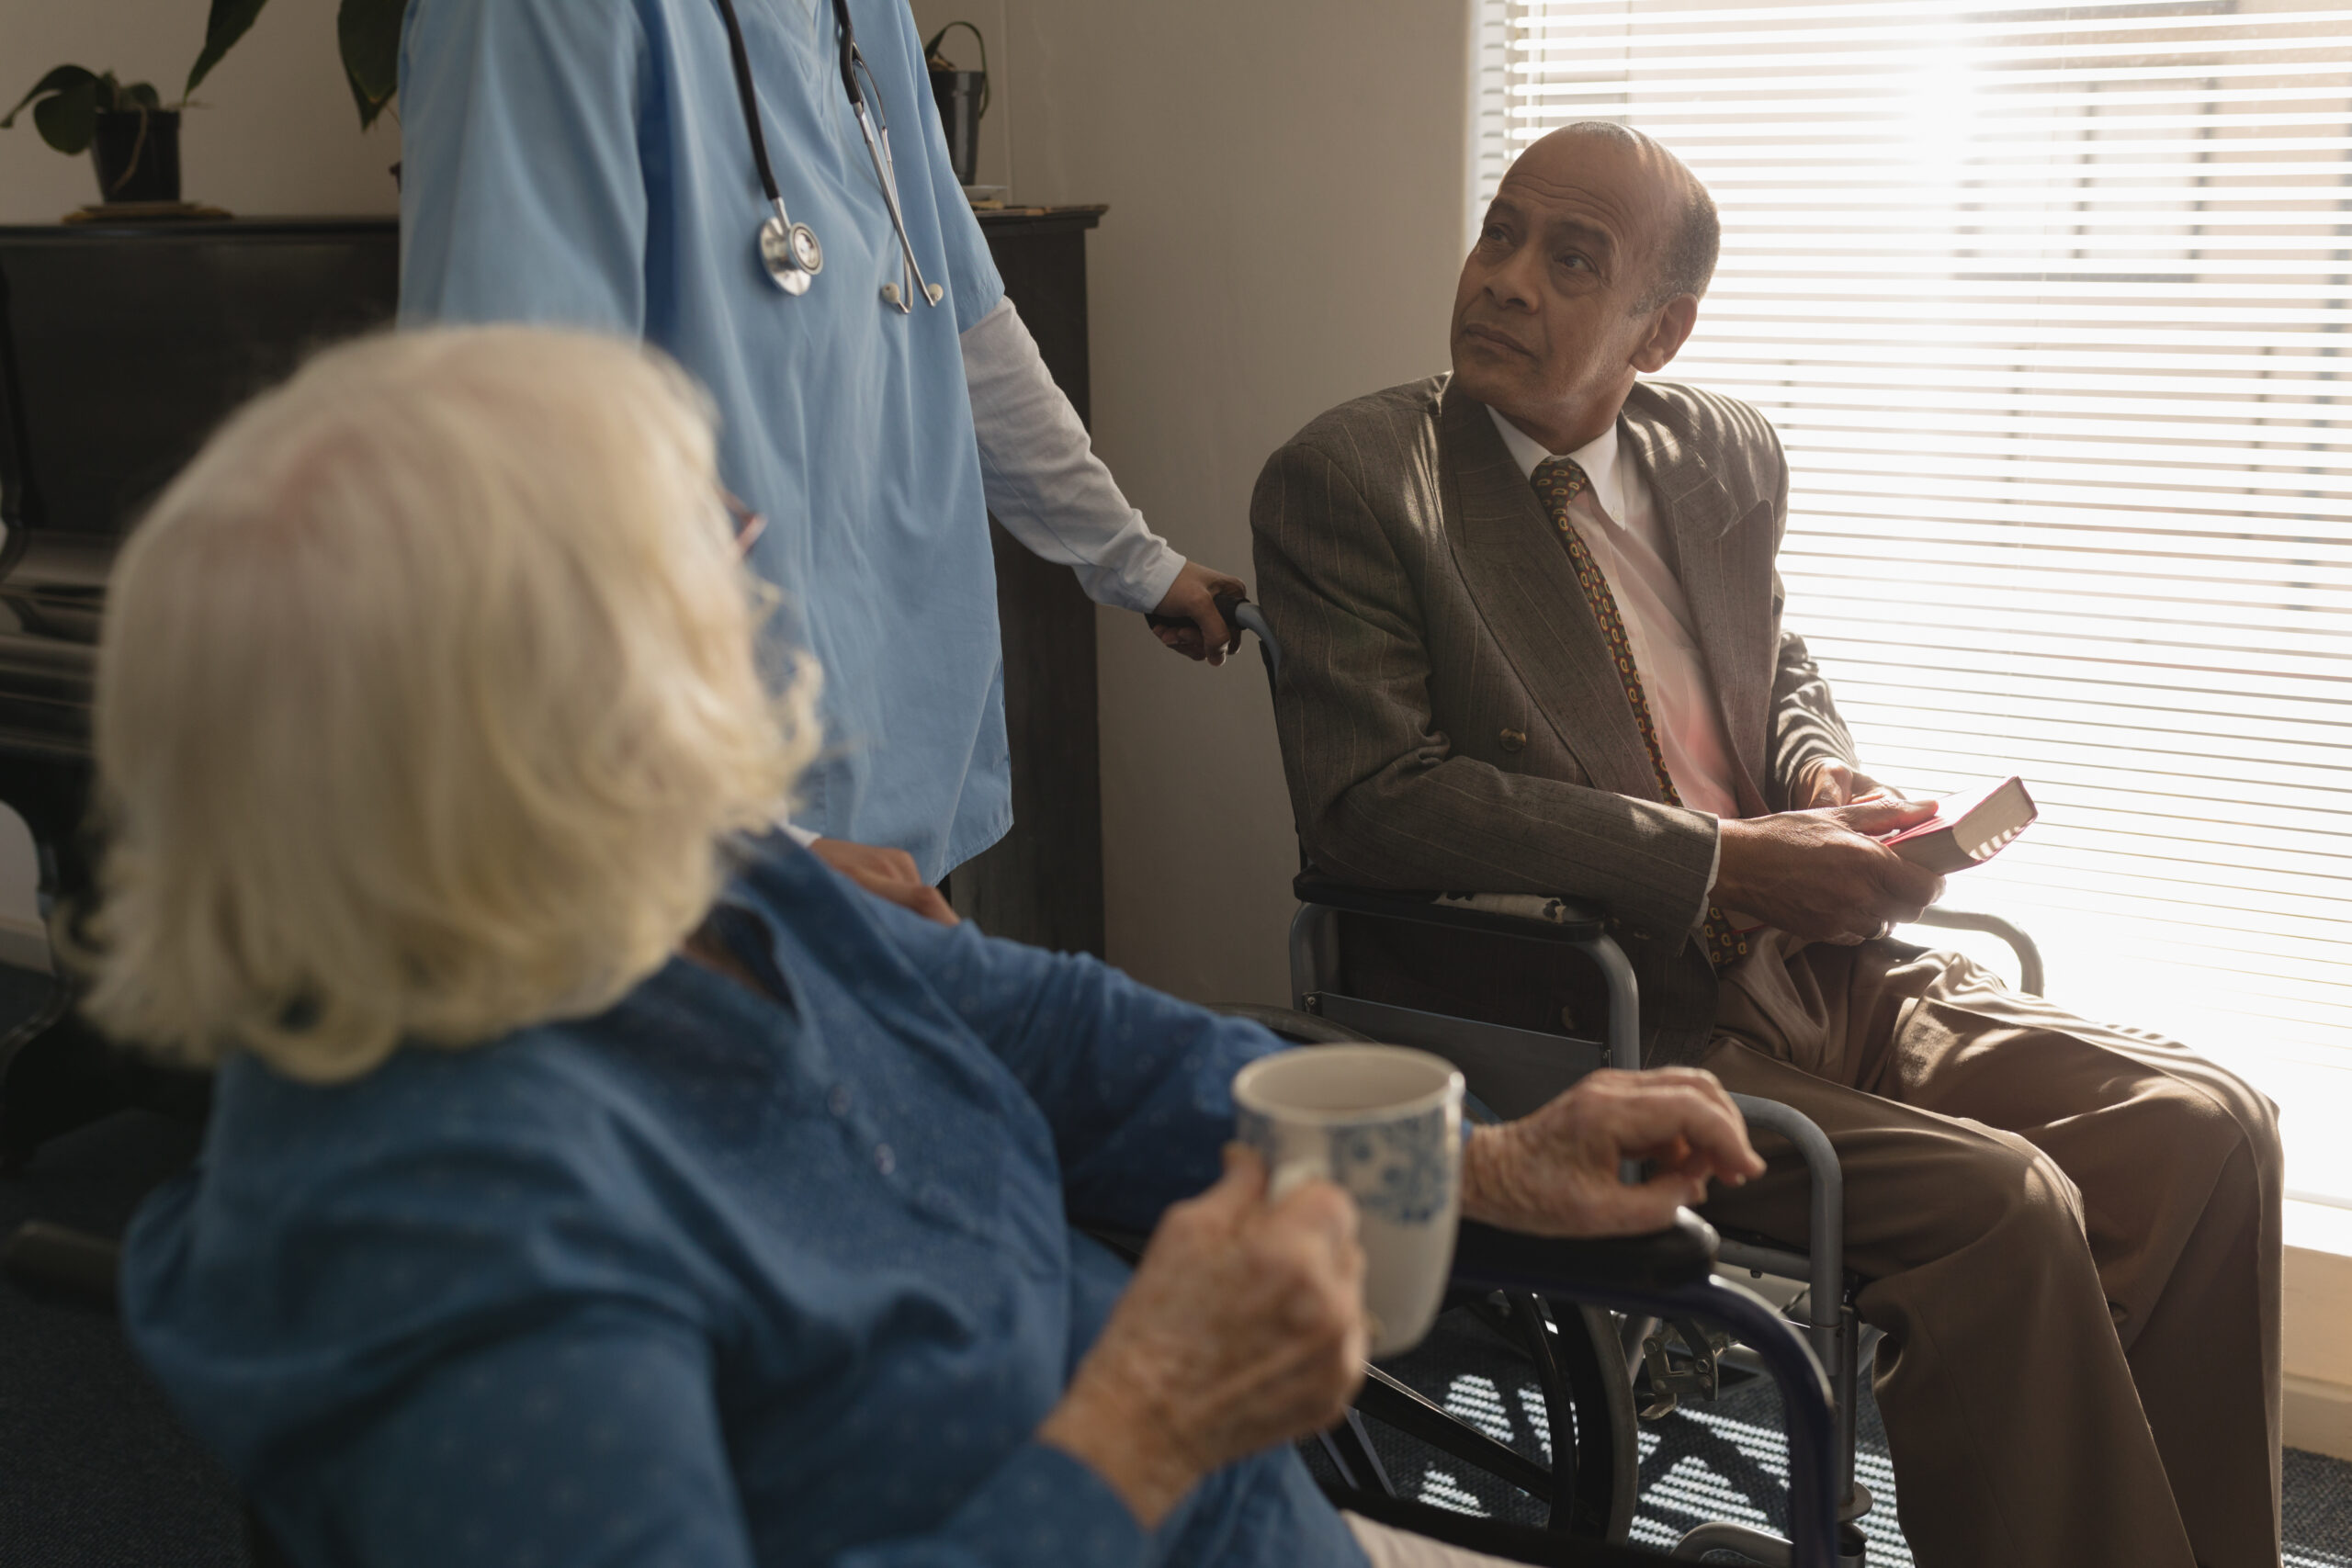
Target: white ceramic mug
[[1384, 1123]]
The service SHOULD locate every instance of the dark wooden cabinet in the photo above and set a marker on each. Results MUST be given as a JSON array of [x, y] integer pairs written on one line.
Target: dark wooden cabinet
[[119, 350], [1042, 883]]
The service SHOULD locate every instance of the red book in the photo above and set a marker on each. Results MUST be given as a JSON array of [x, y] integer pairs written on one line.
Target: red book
[[1966, 829]]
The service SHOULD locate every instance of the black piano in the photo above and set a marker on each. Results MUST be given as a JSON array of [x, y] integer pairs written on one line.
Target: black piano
[[121, 347]]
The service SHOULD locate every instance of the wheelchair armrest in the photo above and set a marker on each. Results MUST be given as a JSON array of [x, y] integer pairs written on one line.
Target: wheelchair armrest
[[2029, 956], [1562, 920], [53, 1263], [1486, 1258]]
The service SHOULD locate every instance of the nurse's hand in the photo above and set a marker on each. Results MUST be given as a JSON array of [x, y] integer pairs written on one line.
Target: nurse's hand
[[885, 874], [1192, 597], [1242, 1328]]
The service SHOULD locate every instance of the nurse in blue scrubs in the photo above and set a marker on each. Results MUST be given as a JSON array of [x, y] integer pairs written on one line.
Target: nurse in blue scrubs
[[588, 163]]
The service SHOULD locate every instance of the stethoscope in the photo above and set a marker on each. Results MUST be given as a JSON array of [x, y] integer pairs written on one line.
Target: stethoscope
[[789, 251]]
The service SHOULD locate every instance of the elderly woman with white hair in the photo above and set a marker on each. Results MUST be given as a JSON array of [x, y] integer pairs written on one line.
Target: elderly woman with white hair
[[593, 1179]]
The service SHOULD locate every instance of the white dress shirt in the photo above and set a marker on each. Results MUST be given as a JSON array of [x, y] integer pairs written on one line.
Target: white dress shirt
[[1618, 521], [1042, 478]]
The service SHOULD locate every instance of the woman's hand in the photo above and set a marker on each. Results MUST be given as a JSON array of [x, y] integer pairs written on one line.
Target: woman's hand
[[1243, 1328], [885, 874], [1556, 1172]]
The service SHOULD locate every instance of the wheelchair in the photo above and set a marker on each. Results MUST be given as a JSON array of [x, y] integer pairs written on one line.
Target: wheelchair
[[1511, 1071]]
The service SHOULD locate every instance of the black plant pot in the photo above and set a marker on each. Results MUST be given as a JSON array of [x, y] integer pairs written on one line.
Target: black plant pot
[[961, 95], [138, 155]]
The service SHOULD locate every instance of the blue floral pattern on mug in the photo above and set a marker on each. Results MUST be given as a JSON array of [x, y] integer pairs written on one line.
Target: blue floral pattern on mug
[[1399, 1170]]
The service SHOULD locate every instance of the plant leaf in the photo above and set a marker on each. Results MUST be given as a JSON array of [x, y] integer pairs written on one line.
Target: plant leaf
[[369, 34], [227, 24], [68, 119], [57, 80], [142, 94]]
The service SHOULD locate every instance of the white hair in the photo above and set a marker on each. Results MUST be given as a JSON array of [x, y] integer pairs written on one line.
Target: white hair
[[427, 698]]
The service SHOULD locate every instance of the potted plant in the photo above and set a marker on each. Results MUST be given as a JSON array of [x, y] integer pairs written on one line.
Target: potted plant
[[133, 139]]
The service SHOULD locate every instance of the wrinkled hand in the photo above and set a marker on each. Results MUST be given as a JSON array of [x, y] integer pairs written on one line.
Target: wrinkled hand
[[1823, 875], [1192, 597], [1831, 783], [1242, 1328], [1556, 1172], [885, 874]]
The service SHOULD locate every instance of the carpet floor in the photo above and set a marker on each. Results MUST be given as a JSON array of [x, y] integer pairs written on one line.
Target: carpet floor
[[1726, 1460]]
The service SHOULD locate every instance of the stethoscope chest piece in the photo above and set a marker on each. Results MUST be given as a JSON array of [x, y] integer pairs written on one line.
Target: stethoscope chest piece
[[790, 253]]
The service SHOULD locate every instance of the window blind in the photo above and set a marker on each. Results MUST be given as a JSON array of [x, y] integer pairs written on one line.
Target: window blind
[[2050, 308]]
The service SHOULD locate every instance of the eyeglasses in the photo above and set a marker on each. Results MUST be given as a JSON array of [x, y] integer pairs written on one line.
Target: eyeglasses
[[749, 525]]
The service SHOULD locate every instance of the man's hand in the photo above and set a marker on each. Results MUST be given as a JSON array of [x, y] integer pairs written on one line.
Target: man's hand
[[1823, 875], [1831, 783], [1192, 597], [1242, 1328], [885, 874], [1556, 1172]]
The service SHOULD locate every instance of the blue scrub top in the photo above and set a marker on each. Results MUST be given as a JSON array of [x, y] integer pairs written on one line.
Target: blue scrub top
[[584, 162], [711, 1279]]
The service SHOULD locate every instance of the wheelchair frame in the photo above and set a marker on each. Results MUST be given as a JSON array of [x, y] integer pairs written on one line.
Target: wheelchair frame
[[1517, 1070]]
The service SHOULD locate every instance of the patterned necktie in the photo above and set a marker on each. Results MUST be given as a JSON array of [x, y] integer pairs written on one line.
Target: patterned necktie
[[1558, 483]]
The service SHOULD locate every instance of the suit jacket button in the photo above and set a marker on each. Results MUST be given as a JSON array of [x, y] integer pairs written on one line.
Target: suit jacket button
[[1514, 739]]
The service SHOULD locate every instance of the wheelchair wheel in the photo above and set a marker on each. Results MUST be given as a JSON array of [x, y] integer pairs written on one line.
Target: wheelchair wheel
[[1572, 1355], [1580, 1372]]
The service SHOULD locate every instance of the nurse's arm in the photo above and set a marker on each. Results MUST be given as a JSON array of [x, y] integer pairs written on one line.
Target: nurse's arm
[[522, 194], [1045, 483]]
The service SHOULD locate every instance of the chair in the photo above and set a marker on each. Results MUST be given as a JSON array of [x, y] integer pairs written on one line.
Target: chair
[[1512, 1071]]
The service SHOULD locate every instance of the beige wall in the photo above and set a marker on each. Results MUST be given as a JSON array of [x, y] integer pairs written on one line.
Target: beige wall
[[1286, 185], [274, 132]]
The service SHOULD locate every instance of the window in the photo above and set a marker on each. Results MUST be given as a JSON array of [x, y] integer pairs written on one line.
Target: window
[[2051, 308]]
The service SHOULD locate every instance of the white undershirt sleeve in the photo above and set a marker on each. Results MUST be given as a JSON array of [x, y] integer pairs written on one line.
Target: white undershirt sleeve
[[1042, 478]]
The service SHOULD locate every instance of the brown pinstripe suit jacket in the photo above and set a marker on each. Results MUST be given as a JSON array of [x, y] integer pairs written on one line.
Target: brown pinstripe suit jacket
[[1449, 715]]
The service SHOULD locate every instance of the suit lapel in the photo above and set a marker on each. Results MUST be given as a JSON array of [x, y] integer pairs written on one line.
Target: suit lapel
[[1720, 580], [1518, 572]]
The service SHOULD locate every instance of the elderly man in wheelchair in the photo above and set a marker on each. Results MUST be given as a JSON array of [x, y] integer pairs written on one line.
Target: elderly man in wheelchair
[[1531, 649], [594, 1178]]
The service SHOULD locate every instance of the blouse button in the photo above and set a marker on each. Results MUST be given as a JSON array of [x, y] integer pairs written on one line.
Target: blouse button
[[884, 1160], [1514, 739], [837, 1100]]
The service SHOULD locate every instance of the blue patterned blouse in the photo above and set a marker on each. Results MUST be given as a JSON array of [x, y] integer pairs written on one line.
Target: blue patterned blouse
[[710, 1279]]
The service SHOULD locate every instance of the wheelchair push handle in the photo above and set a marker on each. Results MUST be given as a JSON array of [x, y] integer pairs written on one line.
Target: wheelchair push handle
[[1241, 616], [1228, 605]]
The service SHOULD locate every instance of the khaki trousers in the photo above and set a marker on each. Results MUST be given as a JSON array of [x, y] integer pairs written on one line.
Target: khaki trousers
[[2070, 1233]]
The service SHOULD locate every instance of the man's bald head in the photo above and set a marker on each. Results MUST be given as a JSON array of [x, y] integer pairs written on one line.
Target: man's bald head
[[1684, 260], [1586, 273]]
